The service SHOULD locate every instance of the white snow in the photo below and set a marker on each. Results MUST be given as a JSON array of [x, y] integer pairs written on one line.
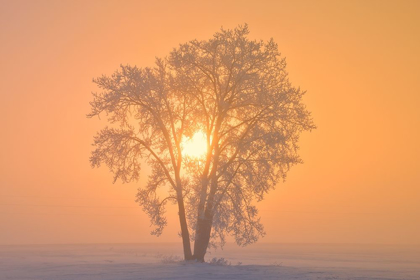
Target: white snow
[[162, 261]]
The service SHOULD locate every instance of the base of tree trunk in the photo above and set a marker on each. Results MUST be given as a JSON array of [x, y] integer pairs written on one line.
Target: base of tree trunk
[[202, 239]]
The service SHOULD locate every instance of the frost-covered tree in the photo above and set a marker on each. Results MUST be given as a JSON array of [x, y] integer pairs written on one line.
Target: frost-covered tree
[[236, 92]]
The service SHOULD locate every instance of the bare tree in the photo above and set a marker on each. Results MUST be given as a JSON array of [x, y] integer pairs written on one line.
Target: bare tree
[[233, 89]]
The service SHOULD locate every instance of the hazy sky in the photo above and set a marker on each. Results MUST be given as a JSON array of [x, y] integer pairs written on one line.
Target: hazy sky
[[357, 60]]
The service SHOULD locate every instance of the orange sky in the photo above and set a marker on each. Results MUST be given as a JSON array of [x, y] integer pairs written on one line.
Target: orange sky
[[358, 60]]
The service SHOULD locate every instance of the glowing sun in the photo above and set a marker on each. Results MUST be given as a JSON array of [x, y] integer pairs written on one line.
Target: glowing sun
[[196, 146]]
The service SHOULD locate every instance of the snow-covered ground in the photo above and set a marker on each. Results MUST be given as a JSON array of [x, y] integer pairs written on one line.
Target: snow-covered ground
[[161, 261]]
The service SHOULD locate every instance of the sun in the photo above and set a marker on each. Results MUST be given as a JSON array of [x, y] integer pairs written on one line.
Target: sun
[[196, 146]]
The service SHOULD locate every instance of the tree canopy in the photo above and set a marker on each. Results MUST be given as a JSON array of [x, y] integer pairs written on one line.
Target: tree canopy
[[236, 92]]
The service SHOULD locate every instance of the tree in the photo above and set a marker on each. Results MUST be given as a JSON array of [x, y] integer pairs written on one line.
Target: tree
[[234, 90]]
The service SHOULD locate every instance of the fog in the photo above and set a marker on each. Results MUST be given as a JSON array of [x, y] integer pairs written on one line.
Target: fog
[[357, 61]]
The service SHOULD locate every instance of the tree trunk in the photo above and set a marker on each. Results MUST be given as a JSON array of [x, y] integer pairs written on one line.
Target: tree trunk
[[184, 230], [202, 237], [205, 213]]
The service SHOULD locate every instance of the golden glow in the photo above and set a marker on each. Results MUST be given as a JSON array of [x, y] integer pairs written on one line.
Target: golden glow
[[196, 146], [346, 54]]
